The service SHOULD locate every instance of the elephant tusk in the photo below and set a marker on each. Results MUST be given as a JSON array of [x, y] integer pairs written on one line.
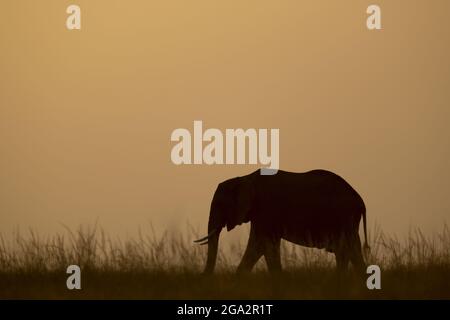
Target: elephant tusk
[[205, 238]]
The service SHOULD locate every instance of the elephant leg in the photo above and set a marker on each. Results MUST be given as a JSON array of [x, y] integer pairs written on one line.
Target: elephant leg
[[342, 260], [272, 255], [252, 254], [356, 256]]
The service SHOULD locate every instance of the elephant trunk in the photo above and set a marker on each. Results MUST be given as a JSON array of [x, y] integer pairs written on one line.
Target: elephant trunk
[[213, 245], [215, 225]]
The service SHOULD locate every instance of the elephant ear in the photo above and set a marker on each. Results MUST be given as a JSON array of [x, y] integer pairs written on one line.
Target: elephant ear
[[244, 194]]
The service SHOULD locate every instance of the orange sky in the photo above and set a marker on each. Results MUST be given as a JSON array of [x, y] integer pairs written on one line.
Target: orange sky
[[86, 116]]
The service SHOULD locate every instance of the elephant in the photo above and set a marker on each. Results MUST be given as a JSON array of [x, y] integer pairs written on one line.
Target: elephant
[[316, 209]]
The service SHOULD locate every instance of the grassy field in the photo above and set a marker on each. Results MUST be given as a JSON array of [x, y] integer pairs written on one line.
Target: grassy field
[[168, 266]]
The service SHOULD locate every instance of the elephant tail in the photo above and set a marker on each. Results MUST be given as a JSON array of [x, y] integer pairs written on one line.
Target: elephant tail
[[366, 243]]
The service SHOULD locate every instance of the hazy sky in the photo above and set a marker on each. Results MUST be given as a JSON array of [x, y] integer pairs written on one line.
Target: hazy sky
[[86, 116]]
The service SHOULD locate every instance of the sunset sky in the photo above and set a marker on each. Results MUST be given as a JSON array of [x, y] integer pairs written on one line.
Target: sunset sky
[[86, 115]]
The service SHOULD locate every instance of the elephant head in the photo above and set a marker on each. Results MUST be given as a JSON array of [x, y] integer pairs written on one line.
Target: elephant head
[[231, 206]]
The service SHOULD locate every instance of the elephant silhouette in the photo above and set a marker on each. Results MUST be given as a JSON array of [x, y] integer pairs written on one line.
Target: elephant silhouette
[[317, 209]]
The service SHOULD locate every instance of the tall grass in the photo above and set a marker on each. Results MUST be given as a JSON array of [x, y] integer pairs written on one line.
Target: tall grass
[[92, 249], [165, 265]]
